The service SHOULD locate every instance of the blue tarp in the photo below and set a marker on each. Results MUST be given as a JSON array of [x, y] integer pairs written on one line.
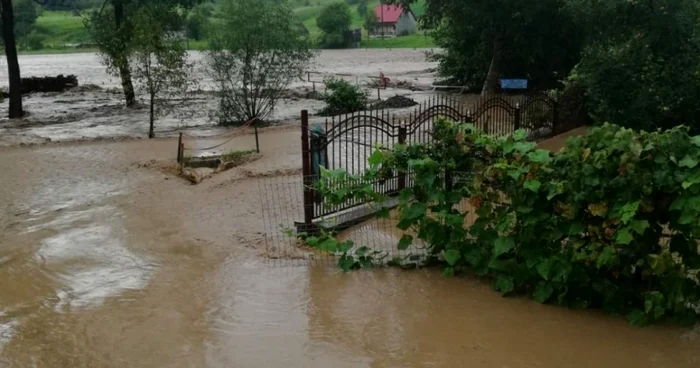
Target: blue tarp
[[513, 83]]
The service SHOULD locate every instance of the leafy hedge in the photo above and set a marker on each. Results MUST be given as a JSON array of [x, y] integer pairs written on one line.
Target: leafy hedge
[[341, 97], [610, 222]]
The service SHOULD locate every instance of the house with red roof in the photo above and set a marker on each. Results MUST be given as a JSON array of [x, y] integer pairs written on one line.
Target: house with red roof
[[393, 20]]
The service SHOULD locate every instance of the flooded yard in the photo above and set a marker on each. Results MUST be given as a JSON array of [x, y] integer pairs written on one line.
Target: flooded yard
[[107, 259]]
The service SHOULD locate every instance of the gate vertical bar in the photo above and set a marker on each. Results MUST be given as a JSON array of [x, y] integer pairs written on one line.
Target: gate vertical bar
[[517, 116], [402, 140], [306, 170]]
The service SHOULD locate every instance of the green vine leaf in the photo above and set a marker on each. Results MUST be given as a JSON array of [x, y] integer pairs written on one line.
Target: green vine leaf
[[405, 242], [452, 256], [638, 318], [629, 210], [329, 245], [344, 247], [504, 284], [517, 172], [376, 158], [361, 251], [540, 156], [606, 258], [688, 162], [543, 292], [576, 228], [503, 245], [533, 185], [544, 268], [695, 140], [523, 147], [346, 263], [624, 236], [519, 135], [639, 226], [415, 211]]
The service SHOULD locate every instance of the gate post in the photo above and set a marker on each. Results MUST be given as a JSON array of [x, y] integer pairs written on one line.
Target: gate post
[[517, 116], [179, 149], [306, 170], [402, 140]]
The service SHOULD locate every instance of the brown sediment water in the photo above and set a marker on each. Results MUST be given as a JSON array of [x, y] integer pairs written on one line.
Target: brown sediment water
[[95, 110], [108, 261]]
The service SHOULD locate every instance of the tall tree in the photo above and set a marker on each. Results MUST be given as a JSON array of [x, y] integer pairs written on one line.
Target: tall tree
[[13, 72], [258, 48], [159, 59], [489, 39], [112, 28], [640, 67], [333, 21]]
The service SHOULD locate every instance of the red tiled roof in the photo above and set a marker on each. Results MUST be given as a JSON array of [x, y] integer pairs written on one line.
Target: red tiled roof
[[391, 13]]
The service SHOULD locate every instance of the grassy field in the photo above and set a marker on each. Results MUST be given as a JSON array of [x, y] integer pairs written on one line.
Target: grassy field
[[61, 28], [416, 41]]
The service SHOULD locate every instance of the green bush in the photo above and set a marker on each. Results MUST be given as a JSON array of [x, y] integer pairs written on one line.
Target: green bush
[[610, 222], [334, 20], [35, 41], [640, 67], [341, 97]]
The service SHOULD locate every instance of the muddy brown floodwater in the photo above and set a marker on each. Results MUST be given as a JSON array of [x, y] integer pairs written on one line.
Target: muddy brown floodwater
[[96, 110], [106, 260]]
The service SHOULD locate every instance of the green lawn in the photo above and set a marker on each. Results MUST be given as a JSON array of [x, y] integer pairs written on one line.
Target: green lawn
[[416, 41], [60, 28]]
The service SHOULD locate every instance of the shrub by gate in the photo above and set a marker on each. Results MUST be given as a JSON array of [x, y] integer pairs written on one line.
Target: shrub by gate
[[347, 141]]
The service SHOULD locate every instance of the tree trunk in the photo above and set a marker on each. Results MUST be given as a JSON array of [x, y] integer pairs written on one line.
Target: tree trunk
[[127, 86], [151, 133], [124, 70], [8, 33], [491, 82]]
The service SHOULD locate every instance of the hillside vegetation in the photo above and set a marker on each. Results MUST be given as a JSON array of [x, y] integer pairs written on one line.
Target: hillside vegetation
[[60, 28]]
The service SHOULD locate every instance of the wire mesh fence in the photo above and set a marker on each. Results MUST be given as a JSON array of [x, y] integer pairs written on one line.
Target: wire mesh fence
[[285, 229], [293, 207]]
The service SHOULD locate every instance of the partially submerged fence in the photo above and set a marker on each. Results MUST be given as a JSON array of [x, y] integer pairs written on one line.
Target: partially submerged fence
[[347, 141], [189, 146]]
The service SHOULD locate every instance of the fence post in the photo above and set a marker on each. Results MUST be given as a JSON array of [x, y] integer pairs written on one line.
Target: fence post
[[179, 149], [517, 116], [306, 169], [257, 141], [402, 140]]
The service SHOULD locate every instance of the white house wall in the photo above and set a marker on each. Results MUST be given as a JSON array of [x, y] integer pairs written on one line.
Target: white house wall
[[406, 24]]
